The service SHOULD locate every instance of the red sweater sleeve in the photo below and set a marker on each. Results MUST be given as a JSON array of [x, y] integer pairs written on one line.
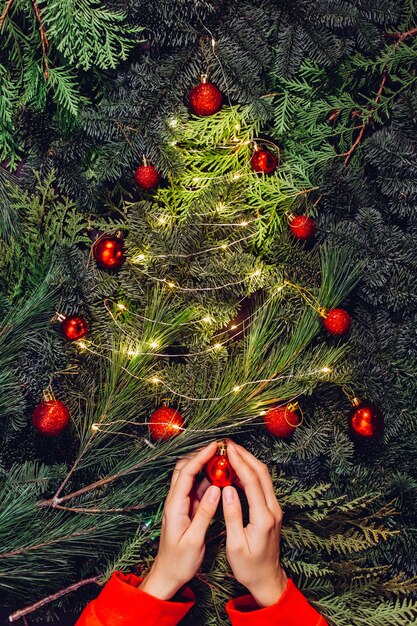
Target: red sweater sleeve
[[121, 603], [292, 609]]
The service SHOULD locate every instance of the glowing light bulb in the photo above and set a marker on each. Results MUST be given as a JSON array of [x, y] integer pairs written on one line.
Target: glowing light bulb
[[94, 426], [172, 285], [213, 42], [207, 320], [139, 257], [233, 327], [326, 370], [243, 223], [132, 353], [81, 345], [256, 272], [154, 344], [121, 306], [173, 122], [224, 246], [217, 346], [162, 219], [237, 176], [236, 388], [263, 412], [155, 380]]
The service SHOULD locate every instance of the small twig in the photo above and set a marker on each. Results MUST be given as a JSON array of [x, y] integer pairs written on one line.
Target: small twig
[[366, 122], [75, 509], [7, 555], [54, 596], [44, 38], [399, 37], [4, 14]]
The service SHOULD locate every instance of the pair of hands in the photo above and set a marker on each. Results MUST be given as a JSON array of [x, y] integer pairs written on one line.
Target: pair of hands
[[252, 551]]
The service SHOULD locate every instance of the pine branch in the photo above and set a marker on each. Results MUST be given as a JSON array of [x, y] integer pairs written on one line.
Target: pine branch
[[51, 598]]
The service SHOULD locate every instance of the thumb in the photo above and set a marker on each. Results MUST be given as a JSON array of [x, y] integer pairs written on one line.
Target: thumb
[[232, 510], [204, 513]]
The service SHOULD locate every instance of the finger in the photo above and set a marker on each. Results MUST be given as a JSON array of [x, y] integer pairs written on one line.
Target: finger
[[196, 495], [232, 511], [251, 484], [264, 477], [180, 464], [179, 498], [204, 514]]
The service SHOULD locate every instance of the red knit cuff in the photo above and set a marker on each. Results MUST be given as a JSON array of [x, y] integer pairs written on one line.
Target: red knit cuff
[[292, 609], [121, 602]]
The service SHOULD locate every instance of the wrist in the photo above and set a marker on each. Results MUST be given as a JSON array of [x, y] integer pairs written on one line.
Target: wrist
[[160, 586], [268, 592]]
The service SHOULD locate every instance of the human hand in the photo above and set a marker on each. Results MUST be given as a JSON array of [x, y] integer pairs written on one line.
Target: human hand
[[253, 551], [187, 514]]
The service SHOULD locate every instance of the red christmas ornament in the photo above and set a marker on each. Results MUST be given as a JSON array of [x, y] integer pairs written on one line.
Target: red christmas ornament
[[108, 252], [302, 226], [165, 423], [282, 421], [74, 327], [147, 177], [51, 416], [205, 98], [218, 470], [365, 419], [337, 321], [263, 161]]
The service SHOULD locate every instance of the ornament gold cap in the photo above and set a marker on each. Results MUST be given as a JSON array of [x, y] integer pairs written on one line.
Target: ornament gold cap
[[222, 448], [58, 317], [204, 78], [356, 401], [47, 395], [118, 234], [292, 406], [323, 312], [290, 216]]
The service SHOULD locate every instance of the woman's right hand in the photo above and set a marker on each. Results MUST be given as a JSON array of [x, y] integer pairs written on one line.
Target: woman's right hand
[[253, 551]]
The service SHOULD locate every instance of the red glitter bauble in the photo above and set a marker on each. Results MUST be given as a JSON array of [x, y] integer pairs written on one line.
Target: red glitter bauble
[[263, 161], [74, 327], [219, 471], [205, 99], [108, 252], [282, 421], [366, 420], [165, 423], [147, 177], [50, 417], [302, 227], [337, 321]]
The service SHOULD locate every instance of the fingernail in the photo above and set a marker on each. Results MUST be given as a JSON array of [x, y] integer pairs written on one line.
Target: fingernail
[[231, 444], [229, 495], [213, 493]]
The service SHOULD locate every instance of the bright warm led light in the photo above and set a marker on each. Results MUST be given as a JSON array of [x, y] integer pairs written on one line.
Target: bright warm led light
[[217, 346], [233, 327], [139, 257], [236, 388], [207, 319], [213, 42], [172, 285], [256, 272], [155, 380], [326, 370], [224, 246], [82, 345], [121, 306], [132, 353], [237, 176], [263, 412], [94, 426], [154, 344], [162, 220], [173, 122], [243, 223]]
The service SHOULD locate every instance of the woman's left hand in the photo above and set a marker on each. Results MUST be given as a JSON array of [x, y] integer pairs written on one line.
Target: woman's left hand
[[188, 512]]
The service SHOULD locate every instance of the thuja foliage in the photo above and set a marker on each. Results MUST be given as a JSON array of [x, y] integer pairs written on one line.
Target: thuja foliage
[[316, 78]]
